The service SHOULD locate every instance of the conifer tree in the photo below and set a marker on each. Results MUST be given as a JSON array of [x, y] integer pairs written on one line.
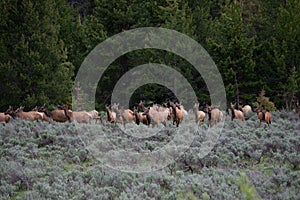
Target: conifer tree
[[34, 66], [232, 46]]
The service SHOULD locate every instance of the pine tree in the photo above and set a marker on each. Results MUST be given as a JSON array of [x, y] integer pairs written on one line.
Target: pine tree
[[34, 65], [263, 101], [279, 52], [232, 45]]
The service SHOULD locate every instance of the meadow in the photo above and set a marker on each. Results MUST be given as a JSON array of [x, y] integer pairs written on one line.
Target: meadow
[[41, 160]]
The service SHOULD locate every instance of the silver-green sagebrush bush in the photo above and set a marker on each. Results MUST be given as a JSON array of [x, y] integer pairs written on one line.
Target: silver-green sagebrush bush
[[50, 161]]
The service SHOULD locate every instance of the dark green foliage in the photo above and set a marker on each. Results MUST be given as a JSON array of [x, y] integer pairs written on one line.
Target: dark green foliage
[[255, 44], [277, 58], [34, 66], [232, 47]]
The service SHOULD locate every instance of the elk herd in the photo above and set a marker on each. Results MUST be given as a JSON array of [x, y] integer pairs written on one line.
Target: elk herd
[[150, 115], [62, 114]]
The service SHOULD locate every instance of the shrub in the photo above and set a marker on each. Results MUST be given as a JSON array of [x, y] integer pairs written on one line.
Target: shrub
[[264, 101]]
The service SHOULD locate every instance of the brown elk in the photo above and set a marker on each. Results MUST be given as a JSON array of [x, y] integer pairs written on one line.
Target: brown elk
[[58, 115], [111, 116], [142, 105], [177, 113], [4, 118], [10, 111], [236, 114], [68, 113], [297, 108], [139, 117], [214, 115], [264, 116], [31, 115], [199, 115]]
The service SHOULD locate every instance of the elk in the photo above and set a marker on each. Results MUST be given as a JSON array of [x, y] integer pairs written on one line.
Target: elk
[[44, 116], [156, 117], [155, 108], [297, 108], [95, 115], [182, 108], [139, 117], [214, 115], [35, 109], [263, 116], [111, 116], [236, 114], [123, 115], [142, 105], [199, 115], [10, 111], [68, 113], [57, 115], [81, 117], [31, 115], [4, 117], [246, 109], [177, 113]]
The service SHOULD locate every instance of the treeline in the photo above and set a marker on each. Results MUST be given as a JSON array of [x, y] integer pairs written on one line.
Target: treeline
[[254, 43]]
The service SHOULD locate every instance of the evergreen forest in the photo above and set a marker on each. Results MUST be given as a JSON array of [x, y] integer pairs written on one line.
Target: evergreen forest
[[255, 44]]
